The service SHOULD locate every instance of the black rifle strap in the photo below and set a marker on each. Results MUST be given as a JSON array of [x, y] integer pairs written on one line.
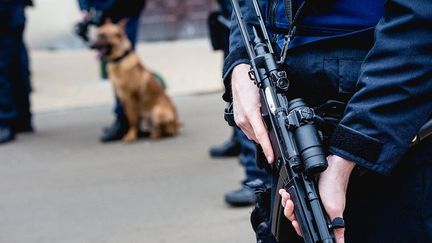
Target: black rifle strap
[[288, 10], [292, 25]]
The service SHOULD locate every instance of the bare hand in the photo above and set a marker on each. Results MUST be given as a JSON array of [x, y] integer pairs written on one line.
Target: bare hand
[[85, 15], [247, 112], [332, 185]]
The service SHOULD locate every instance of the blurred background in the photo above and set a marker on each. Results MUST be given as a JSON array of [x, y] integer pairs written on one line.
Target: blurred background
[[50, 25], [171, 33], [61, 184]]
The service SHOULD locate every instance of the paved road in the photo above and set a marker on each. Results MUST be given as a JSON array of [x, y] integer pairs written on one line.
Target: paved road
[[62, 185]]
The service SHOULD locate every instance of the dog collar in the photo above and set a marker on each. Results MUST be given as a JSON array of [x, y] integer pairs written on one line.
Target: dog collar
[[118, 59]]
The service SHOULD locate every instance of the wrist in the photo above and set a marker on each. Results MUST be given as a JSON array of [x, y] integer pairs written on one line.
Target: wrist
[[239, 71], [341, 167], [346, 166]]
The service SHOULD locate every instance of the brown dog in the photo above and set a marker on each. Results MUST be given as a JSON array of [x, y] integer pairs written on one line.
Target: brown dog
[[140, 94]]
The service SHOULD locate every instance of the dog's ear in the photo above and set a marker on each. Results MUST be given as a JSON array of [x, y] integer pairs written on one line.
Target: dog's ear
[[108, 21], [122, 23]]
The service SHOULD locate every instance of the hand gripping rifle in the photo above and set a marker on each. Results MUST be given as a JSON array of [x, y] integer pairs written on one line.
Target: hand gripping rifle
[[295, 140]]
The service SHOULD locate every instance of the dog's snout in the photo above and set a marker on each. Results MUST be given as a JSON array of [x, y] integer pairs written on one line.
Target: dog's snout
[[102, 36], [100, 41], [93, 45]]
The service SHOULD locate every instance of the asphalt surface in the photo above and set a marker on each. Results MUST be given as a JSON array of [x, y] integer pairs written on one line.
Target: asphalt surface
[[61, 185]]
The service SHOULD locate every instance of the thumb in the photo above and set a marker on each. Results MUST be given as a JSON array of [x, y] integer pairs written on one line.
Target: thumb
[[339, 233]]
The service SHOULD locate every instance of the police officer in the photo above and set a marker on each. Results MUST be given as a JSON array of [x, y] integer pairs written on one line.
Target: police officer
[[238, 145], [376, 57], [219, 29], [117, 10], [15, 115]]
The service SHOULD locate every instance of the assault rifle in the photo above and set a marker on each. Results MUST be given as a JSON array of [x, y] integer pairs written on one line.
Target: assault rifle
[[299, 156]]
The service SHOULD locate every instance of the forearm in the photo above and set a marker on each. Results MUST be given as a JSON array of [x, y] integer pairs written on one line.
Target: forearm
[[393, 92], [237, 50]]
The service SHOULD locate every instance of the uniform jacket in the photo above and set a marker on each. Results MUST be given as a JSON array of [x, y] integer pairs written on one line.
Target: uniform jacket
[[115, 8], [393, 93], [29, 2], [12, 14]]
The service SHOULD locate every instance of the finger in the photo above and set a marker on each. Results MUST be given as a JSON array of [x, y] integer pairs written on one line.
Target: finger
[[289, 210], [261, 135], [245, 126], [340, 235], [281, 191], [296, 226], [248, 131], [285, 197]]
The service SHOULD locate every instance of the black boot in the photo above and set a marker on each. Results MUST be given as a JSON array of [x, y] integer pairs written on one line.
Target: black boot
[[23, 127], [244, 196], [228, 149], [115, 131], [6, 134]]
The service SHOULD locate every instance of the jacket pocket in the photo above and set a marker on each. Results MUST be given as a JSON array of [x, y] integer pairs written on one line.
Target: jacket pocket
[[343, 73]]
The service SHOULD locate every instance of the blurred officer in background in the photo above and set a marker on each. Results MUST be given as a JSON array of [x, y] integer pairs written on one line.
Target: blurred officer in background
[[115, 10], [238, 144], [219, 27], [15, 115]]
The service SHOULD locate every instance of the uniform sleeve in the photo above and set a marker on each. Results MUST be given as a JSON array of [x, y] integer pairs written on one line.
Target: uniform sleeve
[[394, 90], [237, 50], [84, 5], [29, 3]]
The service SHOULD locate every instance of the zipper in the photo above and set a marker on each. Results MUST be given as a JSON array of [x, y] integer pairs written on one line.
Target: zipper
[[272, 13], [288, 11]]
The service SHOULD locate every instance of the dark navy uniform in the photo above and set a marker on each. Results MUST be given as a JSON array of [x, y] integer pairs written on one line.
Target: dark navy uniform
[[15, 88], [117, 10], [219, 35], [377, 58]]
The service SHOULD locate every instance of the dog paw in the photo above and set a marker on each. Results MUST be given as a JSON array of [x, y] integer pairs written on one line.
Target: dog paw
[[155, 135], [130, 137]]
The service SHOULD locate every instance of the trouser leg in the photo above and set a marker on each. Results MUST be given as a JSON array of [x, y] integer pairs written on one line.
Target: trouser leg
[[22, 89], [427, 209], [248, 159], [8, 48], [386, 208]]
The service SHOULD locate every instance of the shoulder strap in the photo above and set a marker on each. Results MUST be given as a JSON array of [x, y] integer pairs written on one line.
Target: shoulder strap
[[293, 21]]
